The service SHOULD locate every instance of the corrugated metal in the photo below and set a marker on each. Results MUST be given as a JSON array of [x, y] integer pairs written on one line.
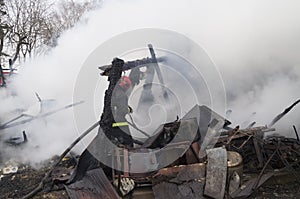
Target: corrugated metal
[[94, 185]]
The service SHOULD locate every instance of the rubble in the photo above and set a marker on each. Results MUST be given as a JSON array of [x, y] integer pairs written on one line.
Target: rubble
[[202, 157], [216, 173], [15, 141], [96, 181], [279, 155], [35, 112], [9, 169], [17, 185], [184, 181]]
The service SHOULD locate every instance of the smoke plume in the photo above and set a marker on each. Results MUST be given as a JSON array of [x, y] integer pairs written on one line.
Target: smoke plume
[[255, 45]]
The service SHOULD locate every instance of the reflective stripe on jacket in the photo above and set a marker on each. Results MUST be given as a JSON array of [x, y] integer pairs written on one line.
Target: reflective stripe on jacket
[[117, 124]]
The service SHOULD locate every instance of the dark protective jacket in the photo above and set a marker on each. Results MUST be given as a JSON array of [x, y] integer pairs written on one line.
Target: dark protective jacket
[[119, 104], [119, 108]]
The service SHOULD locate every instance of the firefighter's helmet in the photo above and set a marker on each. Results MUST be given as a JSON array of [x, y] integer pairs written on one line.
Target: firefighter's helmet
[[125, 83]]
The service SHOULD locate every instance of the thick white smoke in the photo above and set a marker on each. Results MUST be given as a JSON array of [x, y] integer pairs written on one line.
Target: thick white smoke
[[254, 43]]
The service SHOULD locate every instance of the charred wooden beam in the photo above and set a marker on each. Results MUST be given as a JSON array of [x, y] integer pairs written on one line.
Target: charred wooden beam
[[286, 111], [258, 153], [296, 132], [235, 134], [131, 64]]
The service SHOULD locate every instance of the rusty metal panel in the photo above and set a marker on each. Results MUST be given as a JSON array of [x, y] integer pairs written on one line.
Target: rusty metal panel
[[216, 173], [94, 185]]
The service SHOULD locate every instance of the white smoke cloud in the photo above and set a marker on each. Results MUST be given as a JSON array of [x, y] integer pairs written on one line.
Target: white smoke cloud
[[255, 45]]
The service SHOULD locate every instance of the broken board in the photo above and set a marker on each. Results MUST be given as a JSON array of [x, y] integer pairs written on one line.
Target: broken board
[[94, 185], [216, 173]]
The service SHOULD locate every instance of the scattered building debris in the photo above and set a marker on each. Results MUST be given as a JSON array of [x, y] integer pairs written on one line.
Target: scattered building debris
[[9, 169], [15, 141], [36, 112], [216, 173], [93, 186], [124, 185], [183, 181], [234, 183], [286, 111], [202, 155], [247, 189]]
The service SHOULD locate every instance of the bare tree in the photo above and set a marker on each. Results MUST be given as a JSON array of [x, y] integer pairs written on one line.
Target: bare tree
[[4, 28], [29, 21], [27, 26], [70, 12]]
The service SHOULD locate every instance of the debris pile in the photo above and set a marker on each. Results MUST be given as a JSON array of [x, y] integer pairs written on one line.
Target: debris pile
[[21, 181], [201, 155]]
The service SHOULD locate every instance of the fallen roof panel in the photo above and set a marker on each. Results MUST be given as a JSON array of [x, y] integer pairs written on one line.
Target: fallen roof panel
[[94, 185]]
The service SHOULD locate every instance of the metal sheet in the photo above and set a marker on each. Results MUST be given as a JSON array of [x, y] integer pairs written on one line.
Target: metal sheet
[[94, 185], [205, 118]]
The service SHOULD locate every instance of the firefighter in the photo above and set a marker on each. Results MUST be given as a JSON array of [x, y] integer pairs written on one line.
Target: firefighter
[[119, 106], [119, 131]]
